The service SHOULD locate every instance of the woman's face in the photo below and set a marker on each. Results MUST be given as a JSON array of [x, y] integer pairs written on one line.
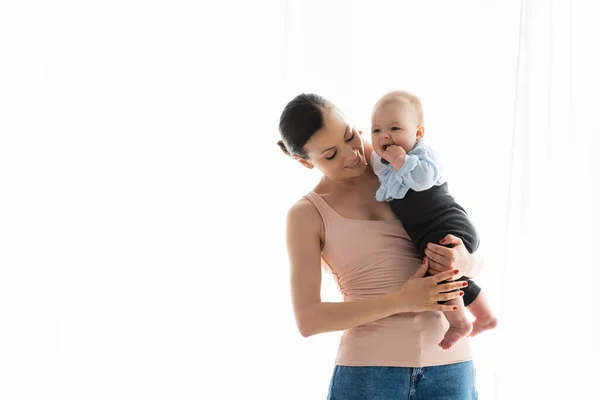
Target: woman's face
[[337, 149]]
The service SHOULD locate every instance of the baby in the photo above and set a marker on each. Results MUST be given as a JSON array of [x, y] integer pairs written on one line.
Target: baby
[[411, 181]]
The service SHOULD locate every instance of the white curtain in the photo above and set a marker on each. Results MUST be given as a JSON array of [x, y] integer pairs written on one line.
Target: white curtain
[[143, 198], [550, 319]]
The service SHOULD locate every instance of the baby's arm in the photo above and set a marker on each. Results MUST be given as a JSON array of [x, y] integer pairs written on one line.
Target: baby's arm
[[419, 170]]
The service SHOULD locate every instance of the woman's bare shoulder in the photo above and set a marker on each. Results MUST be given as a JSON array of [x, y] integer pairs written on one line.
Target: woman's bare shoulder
[[304, 223], [303, 212]]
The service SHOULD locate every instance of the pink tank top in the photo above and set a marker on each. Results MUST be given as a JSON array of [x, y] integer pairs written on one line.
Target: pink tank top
[[369, 258]]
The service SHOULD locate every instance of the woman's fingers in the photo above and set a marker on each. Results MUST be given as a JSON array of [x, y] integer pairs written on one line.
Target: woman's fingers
[[441, 250], [435, 257], [420, 273], [451, 240], [446, 276], [449, 296], [446, 287], [437, 267], [444, 307]]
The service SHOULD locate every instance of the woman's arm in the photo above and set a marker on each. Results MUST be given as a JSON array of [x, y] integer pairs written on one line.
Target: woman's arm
[[314, 316]]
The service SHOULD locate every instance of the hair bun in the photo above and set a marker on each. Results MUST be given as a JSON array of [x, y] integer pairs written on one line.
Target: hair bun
[[283, 148]]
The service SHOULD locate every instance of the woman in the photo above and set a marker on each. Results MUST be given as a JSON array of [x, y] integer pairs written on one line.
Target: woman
[[390, 313]]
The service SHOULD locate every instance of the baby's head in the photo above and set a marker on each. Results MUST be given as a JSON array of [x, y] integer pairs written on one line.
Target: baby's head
[[397, 118]]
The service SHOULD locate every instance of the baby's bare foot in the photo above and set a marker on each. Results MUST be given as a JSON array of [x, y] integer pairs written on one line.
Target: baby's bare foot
[[483, 324], [456, 332]]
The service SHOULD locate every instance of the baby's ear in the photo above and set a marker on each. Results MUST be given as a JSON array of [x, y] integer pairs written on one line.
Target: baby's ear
[[360, 132], [420, 131]]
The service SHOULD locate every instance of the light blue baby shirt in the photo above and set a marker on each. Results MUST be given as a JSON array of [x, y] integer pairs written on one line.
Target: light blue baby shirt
[[420, 172]]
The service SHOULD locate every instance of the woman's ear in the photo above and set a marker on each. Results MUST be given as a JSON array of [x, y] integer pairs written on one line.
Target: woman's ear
[[304, 162]]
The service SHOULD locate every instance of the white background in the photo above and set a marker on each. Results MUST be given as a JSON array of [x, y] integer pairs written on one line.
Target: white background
[[143, 198]]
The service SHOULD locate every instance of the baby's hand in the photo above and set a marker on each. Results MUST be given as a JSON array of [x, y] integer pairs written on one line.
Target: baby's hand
[[395, 156]]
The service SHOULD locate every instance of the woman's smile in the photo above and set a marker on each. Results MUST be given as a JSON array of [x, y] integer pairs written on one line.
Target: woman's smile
[[355, 162]]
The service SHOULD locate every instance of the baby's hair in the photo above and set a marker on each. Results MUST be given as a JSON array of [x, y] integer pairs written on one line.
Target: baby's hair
[[400, 94]]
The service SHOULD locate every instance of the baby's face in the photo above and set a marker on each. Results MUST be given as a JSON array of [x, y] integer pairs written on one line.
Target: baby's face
[[395, 123]]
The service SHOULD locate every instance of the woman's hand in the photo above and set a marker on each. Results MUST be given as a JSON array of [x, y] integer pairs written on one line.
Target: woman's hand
[[422, 294], [443, 258]]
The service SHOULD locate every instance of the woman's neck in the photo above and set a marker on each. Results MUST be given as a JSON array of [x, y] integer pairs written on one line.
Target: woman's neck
[[327, 184]]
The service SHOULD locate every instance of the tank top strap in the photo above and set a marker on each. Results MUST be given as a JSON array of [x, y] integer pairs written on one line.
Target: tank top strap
[[326, 211], [321, 204]]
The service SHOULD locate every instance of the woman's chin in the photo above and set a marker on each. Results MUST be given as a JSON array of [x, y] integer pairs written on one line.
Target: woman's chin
[[359, 169]]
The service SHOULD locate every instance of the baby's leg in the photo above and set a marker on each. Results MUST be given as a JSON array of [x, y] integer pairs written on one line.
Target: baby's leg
[[484, 317], [460, 326]]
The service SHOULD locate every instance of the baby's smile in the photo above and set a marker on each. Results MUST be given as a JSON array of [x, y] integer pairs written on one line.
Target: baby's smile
[[386, 142]]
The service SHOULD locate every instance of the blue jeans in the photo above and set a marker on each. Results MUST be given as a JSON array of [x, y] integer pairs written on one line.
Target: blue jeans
[[444, 382]]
